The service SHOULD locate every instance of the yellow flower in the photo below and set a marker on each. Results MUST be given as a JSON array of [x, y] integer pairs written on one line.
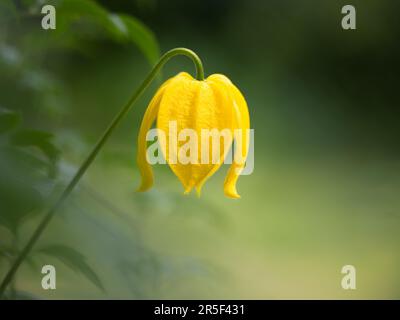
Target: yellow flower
[[214, 103]]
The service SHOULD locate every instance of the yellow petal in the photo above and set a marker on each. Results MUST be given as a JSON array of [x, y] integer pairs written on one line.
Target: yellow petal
[[242, 122], [197, 105], [145, 169]]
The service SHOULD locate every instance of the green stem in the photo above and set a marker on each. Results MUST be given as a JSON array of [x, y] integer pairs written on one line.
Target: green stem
[[85, 165]]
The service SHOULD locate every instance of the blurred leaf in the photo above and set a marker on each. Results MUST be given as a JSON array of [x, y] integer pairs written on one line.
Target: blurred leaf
[[32, 264], [24, 164], [17, 201], [138, 33], [33, 6], [41, 140], [72, 10], [7, 10], [21, 173], [18, 196], [20, 295], [8, 120], [119, 27], [6, 252], [73, 259]]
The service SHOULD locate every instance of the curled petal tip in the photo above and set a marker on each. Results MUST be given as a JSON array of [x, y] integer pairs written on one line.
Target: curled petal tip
[[232, 195], [230, 191]]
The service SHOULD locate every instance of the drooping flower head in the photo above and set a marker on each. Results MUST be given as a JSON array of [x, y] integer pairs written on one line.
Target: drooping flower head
[[213, 110]]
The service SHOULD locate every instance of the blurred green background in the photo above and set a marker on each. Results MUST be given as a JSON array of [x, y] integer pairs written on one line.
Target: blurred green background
[[324, 104]]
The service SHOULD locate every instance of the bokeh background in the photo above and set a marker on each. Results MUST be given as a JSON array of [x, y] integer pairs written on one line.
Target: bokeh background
[[324, 103]]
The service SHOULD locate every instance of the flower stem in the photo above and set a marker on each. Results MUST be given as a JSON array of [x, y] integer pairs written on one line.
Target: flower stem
[[92, 155]]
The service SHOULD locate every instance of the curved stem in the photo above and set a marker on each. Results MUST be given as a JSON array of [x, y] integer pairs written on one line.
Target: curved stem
[[92, 155]]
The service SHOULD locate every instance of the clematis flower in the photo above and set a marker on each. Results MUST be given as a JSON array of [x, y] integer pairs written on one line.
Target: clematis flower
[[193, 107], [213, 104]]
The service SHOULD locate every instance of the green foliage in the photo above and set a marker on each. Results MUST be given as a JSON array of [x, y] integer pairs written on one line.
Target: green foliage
[[20, 171], [133, 30], [73, 259], [20, 295], [40, 140], [31, 163], [8, 120], [22, 176], [7, 10], [17, 201], [119, 27]]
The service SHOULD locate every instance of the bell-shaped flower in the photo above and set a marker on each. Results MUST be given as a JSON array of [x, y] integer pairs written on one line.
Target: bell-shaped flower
[[202, 119]]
